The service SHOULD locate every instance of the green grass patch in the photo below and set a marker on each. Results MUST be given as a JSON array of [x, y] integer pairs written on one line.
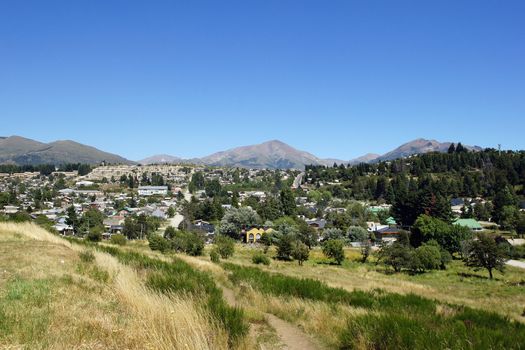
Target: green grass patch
[[24, 310], [397, 321]]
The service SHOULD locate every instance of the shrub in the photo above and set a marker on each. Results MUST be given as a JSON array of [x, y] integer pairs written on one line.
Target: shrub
[[157, 242], [333, 249], [95, 234], [187, 242], [300, 252], [194, 245], [118, 239], [260, 258], [225, 246], [215, 256], [426, 257]]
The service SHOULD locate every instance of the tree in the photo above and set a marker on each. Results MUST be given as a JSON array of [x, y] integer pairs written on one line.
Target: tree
[[307, 234], [300, 252], [397, 255], [236, 219], [225, 246], [171, 212], [520, 224], [504, 197], [426, 257], [333, 249], [366, 249], [72, 218], [288, 202], [451, 148], [357, 234], [448, 236], [485, 253], [284, 243], [334, 233], [266, 241]]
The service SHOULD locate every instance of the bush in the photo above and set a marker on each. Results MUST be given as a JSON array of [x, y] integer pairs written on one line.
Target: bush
[[187, 242], [426, 257], [157, 242], [118, 239], [194, 245], [333, 249], [260, 258], [215, 256], [225, 246], [94, 235]]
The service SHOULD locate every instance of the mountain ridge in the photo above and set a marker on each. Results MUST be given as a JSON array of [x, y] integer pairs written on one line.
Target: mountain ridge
[[23, 151], [273, 154]]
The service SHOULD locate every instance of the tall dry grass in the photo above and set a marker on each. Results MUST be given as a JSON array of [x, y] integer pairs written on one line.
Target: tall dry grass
[[155, 321]]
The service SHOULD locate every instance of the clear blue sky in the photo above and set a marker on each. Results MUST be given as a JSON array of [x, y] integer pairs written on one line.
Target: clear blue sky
[[336, 78]]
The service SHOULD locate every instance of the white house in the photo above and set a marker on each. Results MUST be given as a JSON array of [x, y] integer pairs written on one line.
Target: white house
[[153, 190]]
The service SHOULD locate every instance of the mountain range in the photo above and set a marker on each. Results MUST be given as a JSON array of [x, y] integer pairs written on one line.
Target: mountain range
[[271, 154], [278, 155]]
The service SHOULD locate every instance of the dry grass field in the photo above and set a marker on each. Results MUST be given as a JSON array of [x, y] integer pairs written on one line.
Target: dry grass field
[[55, 294]]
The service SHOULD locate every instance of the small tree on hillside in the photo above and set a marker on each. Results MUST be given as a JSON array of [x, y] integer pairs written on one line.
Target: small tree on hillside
[[485, 253], [333, 249], [225, 246], [300, 252]]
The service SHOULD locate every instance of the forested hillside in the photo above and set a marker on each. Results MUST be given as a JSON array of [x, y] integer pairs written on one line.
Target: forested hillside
[[426, 183]]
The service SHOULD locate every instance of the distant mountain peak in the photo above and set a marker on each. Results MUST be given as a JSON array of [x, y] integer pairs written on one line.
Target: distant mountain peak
[[160, 159]]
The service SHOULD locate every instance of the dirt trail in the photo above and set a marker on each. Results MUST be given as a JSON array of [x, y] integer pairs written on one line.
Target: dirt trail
[[291, 336]]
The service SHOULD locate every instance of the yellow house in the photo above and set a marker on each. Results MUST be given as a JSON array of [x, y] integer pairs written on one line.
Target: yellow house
[[255, 234]]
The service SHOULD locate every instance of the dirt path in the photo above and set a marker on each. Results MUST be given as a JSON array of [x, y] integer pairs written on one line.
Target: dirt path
[[291, 336]]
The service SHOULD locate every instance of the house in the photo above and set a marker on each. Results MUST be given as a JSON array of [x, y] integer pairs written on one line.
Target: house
[[456, 205], [316, 223], [203, 226], [84, 183], [387, 234], [374, 226], [10, 209], [255, 234], [470, 223], [153, 190]]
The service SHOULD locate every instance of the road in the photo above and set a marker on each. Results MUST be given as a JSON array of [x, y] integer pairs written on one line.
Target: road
[[177, 219], [516, 263], [298, 180]]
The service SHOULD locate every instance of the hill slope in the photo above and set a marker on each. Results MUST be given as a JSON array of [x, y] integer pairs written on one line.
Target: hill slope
[[23, 151]]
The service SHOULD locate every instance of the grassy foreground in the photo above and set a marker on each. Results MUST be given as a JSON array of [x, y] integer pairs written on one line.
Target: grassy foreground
[[58, 295]]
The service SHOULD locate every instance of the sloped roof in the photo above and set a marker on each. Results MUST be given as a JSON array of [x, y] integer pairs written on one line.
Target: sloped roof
[[470, 223]]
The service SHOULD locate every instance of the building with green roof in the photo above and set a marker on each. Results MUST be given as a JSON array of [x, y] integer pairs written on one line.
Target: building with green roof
[[470, 223]]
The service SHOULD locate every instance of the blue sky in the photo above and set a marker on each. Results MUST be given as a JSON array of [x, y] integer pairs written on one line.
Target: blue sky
[[335, 78]]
